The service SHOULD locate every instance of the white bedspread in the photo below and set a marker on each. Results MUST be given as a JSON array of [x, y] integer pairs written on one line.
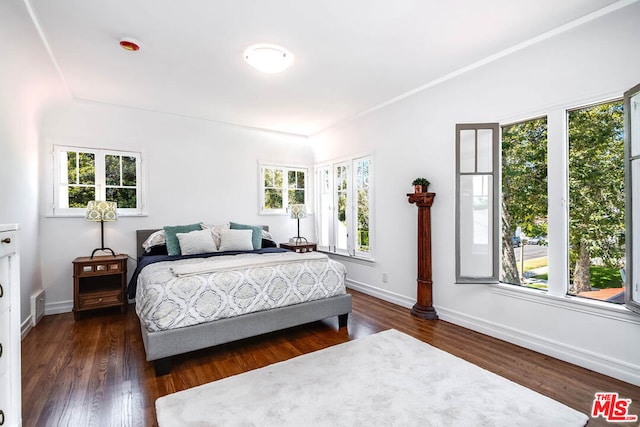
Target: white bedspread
[[203, 292], [214, 264]]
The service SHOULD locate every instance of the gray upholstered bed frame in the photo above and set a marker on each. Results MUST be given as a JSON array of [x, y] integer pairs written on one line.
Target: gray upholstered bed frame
[[161, 345]]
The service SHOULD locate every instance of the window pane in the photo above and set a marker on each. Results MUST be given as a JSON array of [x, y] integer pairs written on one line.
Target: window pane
[[362, 207], [112, 172], [524, 204], [292, 179], [467, 151], [296, 197], [635, 125], [80, 196], [476, 226], [272, 199], [124, 197], [485, 150], [341, 208], [300, 182], [596, 201], [277, 178], [635, 200], [268, 177], [87, 168], [72, 167], [129, 171]]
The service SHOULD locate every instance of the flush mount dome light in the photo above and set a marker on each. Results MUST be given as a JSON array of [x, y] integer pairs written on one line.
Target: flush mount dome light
[[268, 58]]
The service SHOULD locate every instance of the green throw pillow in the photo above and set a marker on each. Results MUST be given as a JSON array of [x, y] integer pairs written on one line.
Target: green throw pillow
[[170, 231], [256, 238]]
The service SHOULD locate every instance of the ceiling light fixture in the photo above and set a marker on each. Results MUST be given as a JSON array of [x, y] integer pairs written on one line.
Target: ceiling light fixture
[[268, 58], [129, 44]]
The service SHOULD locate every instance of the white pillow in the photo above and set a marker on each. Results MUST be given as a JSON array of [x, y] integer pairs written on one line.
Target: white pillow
[[236, 240], [196, 242], [155, 239], [216, 229]]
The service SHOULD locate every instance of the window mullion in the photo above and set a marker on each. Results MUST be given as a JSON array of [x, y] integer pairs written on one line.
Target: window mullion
[[100, 177]]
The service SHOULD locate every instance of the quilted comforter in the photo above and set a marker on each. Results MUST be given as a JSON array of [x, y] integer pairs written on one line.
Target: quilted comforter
[[186, 292]]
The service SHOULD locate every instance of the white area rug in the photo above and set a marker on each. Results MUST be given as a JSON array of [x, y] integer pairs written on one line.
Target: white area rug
[[386, 379]]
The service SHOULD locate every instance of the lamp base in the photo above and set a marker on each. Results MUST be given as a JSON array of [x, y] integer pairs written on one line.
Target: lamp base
[[102, 249], [298, 240]]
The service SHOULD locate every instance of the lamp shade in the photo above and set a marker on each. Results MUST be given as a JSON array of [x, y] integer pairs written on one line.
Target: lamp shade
[[298, 211], [102, 211]]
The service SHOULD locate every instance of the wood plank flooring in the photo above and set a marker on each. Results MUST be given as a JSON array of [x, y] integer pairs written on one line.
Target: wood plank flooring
[[93, 372]]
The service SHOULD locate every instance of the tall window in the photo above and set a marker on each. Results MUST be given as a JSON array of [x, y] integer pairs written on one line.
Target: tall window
[[596, 201], [524, 204], [585, 196], [477, 184], [281, 186], [343, 212], [84, 174]]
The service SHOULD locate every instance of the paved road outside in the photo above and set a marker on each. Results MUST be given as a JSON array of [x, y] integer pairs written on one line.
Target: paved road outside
[[531, 251]]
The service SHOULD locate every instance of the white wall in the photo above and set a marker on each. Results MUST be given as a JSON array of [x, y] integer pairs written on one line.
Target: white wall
[[28, 84], [416, 137], [195, 171]]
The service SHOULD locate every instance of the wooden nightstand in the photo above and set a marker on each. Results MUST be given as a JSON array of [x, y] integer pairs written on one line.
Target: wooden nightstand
[[300, 247], [99, 282]]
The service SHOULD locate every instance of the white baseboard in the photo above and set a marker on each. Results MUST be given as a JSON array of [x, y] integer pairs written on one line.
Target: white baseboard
[[58, 307], [619, 369], [383, 294], [616, 368], [26, 326]]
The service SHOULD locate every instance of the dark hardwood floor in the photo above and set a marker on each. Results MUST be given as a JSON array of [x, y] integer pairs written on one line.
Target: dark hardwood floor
[[93, 371]]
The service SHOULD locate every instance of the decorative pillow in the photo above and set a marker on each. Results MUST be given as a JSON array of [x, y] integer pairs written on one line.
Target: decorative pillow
[[157, 250], [155, 239], [256, 238], [268, 243], [173, 245], [266, 235], [196, 242], [216, 229], [236, 240]]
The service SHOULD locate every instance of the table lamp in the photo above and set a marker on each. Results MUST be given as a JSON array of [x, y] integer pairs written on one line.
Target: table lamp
[[102, 211], [298, 212]]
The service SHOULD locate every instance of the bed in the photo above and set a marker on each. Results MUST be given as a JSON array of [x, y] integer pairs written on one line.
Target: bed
[[173, 325]]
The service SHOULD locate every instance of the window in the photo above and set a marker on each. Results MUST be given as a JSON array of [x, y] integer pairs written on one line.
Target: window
[[632, 168], [476, 217], [567, 179], [524, 212], [596, 201], [343, 207], [85, 174], [280, 187]]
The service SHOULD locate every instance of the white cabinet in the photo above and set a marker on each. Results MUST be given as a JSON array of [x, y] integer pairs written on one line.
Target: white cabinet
[[9, 328]]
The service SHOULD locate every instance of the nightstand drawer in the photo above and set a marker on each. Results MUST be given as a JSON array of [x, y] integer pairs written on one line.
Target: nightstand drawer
[[4, 341], [7, 243], [99, 300], [300, 247], [100, 268]]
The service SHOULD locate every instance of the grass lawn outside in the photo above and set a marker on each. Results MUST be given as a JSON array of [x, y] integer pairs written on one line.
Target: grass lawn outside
[[601, 277]]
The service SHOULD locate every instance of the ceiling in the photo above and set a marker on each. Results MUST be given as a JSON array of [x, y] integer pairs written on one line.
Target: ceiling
[[350, 55]]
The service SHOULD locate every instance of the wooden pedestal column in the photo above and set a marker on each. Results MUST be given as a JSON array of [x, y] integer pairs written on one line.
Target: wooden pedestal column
[[423, 308]]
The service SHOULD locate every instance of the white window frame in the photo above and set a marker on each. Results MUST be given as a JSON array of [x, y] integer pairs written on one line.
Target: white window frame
[[557, 170], [285, 189], [327, 216], [100, 180]]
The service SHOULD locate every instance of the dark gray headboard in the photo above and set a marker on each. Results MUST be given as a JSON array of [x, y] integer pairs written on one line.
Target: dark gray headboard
[[142, 235]]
